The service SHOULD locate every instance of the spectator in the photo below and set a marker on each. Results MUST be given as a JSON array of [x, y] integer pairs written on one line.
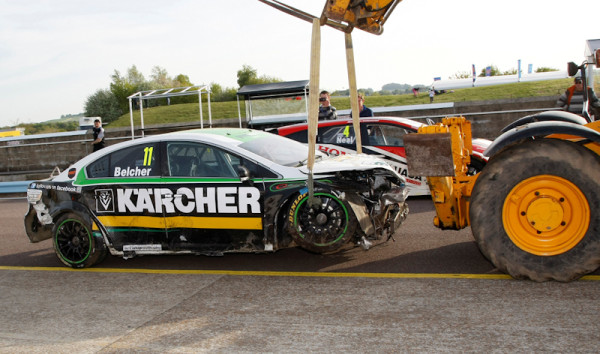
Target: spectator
[[431, 94], [364, 110], [573, 98], [98, 142], [326, 110]]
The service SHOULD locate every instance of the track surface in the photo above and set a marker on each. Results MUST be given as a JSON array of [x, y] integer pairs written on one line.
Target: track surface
[[430, 290]]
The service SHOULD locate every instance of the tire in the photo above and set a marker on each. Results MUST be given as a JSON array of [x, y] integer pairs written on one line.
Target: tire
[[74, 243], [535, 210], [323, 228]]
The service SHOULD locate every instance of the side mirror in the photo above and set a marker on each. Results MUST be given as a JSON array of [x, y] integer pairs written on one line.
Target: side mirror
[[243, 173], [572, 69]]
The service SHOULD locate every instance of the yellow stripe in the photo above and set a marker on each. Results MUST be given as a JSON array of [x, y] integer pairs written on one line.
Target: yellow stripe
[[194, 222], [281, 274], [214, 223]]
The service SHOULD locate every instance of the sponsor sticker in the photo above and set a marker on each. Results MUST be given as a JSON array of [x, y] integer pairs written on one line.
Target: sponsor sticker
[[142, 248], [105, 200]]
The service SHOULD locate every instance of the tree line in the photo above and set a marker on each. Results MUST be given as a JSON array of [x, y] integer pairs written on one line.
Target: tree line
[[112, 102]]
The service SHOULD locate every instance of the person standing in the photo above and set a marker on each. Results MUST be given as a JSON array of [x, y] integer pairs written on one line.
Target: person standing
[[431, 94], [573, 98], [326, 110], [98, 131], [364, 110]]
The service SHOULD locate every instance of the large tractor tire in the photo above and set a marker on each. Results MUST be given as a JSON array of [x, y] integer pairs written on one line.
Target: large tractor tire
[[324, 226], [535, 210]]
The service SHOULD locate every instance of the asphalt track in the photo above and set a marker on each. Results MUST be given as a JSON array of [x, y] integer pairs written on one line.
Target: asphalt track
[[427, 291]]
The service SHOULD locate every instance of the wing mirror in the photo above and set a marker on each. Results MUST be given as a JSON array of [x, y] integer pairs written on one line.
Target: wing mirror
[[243, 173], [572, 69]]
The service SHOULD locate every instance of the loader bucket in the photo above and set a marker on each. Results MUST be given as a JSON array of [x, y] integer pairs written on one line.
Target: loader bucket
[[368, 15], [429, 154]]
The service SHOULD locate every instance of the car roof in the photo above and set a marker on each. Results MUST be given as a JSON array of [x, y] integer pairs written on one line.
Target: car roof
[[218, 136], [290, 129]]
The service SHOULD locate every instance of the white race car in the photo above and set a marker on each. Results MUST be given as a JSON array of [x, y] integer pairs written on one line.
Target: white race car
[[212, 191]]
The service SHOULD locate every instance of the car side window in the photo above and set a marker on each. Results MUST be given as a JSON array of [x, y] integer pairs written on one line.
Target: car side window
[[256, 170], [135, 161], [338, 135], [386, 135], [188, 159], [300, 136]]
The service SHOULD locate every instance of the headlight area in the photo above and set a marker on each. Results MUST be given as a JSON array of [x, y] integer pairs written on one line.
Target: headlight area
[[34, 195]]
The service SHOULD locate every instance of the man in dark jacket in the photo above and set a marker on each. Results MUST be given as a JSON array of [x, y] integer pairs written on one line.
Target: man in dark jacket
[[98, 142], [364, 110]]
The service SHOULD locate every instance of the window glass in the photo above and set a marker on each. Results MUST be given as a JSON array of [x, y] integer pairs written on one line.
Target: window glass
[[338, 135], [256, 170], [99, 168], [281, 150], [301, 136], [386, 135], [136, 161], [187, 159]]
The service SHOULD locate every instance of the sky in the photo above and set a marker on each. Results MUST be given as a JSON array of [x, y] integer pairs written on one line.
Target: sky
[[56, 53]]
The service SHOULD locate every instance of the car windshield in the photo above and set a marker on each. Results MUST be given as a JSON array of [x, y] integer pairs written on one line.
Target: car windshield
[[280, 150]]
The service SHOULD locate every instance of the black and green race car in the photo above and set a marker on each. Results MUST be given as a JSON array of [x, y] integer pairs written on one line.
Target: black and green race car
[[212, 191]]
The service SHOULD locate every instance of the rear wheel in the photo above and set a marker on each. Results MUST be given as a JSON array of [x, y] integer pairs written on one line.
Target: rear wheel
[[322, 226], [535, 210], [74, 243]]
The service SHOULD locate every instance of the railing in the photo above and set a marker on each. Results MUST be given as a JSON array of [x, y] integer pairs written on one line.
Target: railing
[[12, 188]]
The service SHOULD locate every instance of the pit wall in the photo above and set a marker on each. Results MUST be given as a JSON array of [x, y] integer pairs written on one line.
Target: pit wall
[[35, 157]]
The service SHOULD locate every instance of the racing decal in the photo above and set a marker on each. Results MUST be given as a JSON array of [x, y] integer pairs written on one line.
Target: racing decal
[[160, 207], [132, 172], [283, 186], [104, 200], [191, 222], [335, 150], [57, 187], [142, 248], [211, 200]]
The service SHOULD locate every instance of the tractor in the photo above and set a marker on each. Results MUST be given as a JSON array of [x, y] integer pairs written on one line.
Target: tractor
[[534, 209]]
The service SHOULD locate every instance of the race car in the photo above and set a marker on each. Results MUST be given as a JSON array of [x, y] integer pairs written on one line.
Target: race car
[[213, 191], [380, 136]]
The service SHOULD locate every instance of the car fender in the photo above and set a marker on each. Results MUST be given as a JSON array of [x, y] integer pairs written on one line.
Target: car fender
[[541, 129], [70, 207], [559, 116]]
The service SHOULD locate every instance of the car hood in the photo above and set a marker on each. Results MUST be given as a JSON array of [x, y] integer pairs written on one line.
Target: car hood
[[360, 162]]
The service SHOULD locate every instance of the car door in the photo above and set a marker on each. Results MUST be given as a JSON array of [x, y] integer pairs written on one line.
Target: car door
[[123, 187], [213, 210]]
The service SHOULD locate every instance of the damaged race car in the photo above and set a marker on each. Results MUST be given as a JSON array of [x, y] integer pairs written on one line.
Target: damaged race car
[[213, 191]]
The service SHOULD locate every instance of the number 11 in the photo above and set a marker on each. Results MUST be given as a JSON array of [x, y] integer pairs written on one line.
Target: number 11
[[148, 155]]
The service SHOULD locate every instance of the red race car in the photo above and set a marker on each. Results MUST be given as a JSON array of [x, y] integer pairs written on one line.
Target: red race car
[[381, 136]]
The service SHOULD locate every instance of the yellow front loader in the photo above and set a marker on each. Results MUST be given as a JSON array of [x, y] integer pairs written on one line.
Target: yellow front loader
[[534, 209]]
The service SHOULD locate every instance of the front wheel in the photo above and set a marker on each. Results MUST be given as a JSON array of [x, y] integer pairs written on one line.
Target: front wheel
[[323, 225], [535, 210], [74, 243]]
